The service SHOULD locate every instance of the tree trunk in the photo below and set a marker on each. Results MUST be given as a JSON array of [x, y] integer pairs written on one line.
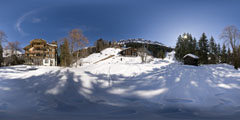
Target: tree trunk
[[235, 59], [77, 59]]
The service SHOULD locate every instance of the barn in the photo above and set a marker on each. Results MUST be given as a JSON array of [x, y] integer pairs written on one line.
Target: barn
[[190, 59], [129, 52]]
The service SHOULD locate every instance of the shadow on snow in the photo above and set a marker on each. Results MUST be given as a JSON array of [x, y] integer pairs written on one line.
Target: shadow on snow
[[62, 92]]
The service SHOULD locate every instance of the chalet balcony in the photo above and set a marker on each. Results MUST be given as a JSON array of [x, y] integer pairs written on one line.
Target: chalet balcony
[[37, 51], [40, 46]]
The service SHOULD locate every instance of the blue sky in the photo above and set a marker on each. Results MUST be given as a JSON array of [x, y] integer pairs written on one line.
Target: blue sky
[[157, 20]]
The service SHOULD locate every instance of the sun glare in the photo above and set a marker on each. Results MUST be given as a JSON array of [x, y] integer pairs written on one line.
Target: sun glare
[[185, 36]]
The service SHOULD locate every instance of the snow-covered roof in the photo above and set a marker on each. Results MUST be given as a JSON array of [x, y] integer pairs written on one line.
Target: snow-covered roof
[[8, 52], [191, 55], [85, 48], [52, 45], [125, 48]]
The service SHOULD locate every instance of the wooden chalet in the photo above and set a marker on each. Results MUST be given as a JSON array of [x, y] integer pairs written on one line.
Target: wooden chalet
[[39, 52], [190, 59], [129, 52]]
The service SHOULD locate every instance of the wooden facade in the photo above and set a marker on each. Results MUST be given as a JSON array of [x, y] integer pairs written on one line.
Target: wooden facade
[[39, 52], [129, 52], [190, 59]]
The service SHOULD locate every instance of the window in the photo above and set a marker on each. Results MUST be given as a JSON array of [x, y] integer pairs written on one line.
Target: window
[[46, 60], [38, 48]]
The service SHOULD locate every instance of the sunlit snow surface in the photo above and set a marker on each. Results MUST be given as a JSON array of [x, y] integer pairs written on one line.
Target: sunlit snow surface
[[120, 88]]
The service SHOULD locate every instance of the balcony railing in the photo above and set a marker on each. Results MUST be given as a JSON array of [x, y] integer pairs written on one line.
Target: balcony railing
[[38, 45]]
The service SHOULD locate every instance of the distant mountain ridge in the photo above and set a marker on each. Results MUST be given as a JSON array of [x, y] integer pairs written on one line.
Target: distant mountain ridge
[[140, 40], [156, 48]]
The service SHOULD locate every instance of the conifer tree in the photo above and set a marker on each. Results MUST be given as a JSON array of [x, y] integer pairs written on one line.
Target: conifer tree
[[224, 54], [212, 51], [178, 48], [218, 53], [65, 55], [161, 54], [185, 45], [191, 44], [101, 44], [194, 45], [203, 49], [229, 56], [197, 49]]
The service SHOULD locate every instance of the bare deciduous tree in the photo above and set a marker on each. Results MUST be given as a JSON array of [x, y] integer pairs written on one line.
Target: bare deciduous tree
[[12, 57], [14, 47], [143, 54], [77, 40], [231, 36], [3, 37]]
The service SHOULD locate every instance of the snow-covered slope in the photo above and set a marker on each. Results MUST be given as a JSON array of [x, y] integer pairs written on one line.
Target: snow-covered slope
[[121, 88], [170, 56], [99, 56]]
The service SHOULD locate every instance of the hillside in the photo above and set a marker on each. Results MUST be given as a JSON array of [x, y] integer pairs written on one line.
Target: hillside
[[120, 88], [98, 56], [140, 40], [156, 48]]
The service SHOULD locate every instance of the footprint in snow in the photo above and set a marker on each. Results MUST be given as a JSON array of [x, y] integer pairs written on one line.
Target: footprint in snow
[[123, 112], [100, 101], [179, 100], [3, 106], [170, 110], [218, 105], [222, 103], [132, 99], [225, 101], [219, 94]]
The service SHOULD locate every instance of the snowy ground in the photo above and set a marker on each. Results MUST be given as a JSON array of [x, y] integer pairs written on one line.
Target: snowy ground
[[120, 88]]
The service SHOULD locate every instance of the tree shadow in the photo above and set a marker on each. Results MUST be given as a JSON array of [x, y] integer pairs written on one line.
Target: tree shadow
[[29, 98], [197, 99], [64, 92]]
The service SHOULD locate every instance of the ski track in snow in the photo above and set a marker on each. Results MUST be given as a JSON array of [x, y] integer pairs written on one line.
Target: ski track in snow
[[114, 89]]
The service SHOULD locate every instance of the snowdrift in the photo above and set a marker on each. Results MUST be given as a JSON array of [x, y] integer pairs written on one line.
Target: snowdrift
[[120, 88]]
